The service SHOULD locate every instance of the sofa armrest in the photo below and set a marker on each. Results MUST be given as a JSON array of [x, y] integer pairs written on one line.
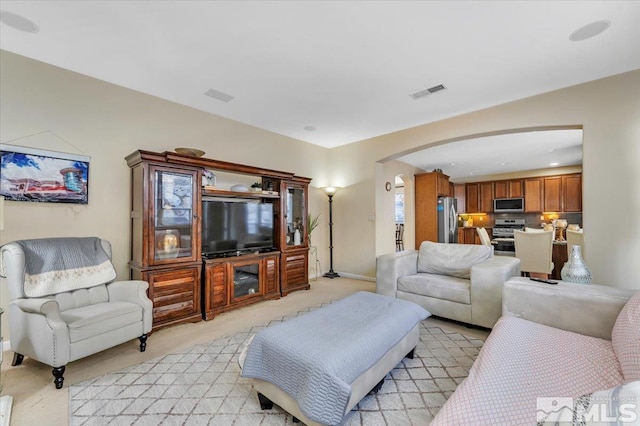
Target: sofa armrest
[[38, 331], [487, 279], [41, 306], [133, 291], [591, 310], [391, 266]]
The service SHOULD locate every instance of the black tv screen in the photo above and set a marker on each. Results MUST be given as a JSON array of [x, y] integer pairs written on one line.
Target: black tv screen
[[236, 226]]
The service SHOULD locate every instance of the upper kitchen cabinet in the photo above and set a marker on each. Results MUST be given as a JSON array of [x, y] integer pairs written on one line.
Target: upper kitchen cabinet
[[479, 197], [486, 197], [459, 194], [553, 194], [472, 199], [533, 191], [508, 188], [572, 192]]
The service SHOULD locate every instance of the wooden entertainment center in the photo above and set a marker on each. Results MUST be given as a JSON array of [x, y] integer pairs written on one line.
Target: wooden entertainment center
[[166, 237]]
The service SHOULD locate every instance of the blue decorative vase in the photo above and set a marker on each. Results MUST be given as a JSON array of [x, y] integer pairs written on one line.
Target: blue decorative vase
[[575, 271]]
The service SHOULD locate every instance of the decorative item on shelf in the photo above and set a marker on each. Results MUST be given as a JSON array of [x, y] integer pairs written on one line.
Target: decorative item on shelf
[[561, 225], [437, 170], [256, 187], [190, 152], [169, 244], [239, 188], [296, 237], [330, 191], [208, 178], [269, 186], [575, 270]]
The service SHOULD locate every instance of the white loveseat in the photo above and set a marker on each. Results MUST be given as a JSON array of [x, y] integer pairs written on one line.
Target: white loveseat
[[65, 304], [462, 282], [558, 350]]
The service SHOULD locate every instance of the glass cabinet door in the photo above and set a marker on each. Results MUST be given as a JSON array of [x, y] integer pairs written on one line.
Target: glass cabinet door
[[174, 230], [296, 216]]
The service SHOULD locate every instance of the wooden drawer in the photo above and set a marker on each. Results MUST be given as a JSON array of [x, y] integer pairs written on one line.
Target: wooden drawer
[[270, 275], [175, 294]]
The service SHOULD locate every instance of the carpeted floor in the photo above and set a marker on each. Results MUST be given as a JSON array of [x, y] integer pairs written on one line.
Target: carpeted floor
[[202, 386]]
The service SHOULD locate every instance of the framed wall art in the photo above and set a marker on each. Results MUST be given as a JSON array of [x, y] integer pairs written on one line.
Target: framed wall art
[[29, 174]]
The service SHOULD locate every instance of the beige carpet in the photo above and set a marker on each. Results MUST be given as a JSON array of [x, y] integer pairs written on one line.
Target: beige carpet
[[36, 401]]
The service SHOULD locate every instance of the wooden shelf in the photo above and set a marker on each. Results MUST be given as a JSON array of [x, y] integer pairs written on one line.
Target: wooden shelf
[[233, 194]]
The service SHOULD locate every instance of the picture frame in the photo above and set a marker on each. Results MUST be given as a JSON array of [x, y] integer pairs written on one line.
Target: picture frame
[[30, 174]]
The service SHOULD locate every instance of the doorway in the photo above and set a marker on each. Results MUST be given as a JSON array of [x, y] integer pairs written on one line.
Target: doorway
[[400, 209]]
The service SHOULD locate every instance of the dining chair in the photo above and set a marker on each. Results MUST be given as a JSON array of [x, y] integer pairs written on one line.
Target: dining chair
[[484, 237], [575, 238], [534, 249]]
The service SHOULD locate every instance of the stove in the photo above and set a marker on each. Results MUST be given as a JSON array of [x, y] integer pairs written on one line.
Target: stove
[[503, 228], [503, 235]]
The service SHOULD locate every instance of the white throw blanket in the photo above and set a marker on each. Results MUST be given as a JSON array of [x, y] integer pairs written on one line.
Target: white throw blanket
[[55, 265]]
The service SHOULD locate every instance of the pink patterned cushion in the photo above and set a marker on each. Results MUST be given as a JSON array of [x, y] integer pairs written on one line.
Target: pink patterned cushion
[[521, 361], [626, 339]]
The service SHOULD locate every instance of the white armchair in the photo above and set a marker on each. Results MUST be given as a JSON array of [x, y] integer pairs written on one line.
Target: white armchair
[[64, 303]]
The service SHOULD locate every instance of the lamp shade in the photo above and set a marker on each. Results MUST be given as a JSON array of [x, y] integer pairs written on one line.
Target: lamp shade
[[330, 190]]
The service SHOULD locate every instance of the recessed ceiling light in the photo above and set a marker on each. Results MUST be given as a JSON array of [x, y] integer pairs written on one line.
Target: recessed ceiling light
[[452, 164], [503, 164], [590, 30], [310, 128], [554, 164], [470, 173], [552, 150], [18, 22]]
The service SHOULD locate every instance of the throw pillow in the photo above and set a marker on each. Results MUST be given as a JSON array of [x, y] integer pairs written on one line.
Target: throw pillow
[[625, 338], [454, 260]]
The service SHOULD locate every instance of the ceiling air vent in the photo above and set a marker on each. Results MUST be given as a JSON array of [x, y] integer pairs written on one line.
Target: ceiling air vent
[[218, 95], [422, 93]]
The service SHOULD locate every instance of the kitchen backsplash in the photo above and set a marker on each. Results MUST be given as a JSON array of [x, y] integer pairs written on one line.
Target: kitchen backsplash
[[532, 220]]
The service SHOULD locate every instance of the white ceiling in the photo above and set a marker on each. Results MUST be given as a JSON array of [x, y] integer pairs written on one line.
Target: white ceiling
[[464, 160], [343, 67]]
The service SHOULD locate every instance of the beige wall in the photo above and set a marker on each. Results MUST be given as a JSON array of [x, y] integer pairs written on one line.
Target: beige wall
[[108, 122], [609, 112]]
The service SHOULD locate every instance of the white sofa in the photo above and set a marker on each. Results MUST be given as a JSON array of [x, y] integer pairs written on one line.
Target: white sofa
[[553, 345], [462, 282]]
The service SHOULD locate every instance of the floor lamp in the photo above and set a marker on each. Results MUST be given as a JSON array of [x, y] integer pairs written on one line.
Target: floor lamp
[[330, 191]]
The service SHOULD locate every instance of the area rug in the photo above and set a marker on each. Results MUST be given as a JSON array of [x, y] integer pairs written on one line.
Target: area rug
[[202, 386]]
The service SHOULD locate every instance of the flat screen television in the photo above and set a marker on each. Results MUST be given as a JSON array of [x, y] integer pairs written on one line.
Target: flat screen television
[[232, 226]]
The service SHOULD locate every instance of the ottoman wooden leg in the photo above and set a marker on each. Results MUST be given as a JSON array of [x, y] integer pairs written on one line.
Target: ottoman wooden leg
[[411, 354]]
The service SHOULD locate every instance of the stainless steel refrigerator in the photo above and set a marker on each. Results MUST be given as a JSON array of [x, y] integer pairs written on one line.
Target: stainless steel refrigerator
[[447, 220]]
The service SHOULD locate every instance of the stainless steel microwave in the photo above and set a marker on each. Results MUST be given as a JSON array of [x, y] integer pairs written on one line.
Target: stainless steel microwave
[[508, 205]]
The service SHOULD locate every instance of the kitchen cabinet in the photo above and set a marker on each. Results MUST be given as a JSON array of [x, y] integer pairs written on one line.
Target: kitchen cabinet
[[470, 235], [572, 193], [552, 194], [533, 193], [508, 188], [460, 196], [472, 198], [428, 187], [485, 195]]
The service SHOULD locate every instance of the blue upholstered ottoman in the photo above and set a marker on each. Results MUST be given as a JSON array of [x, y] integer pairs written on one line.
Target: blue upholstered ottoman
[[319, 365]]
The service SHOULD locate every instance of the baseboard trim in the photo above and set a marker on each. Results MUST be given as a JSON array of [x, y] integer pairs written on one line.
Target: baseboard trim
[[356, 277]]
